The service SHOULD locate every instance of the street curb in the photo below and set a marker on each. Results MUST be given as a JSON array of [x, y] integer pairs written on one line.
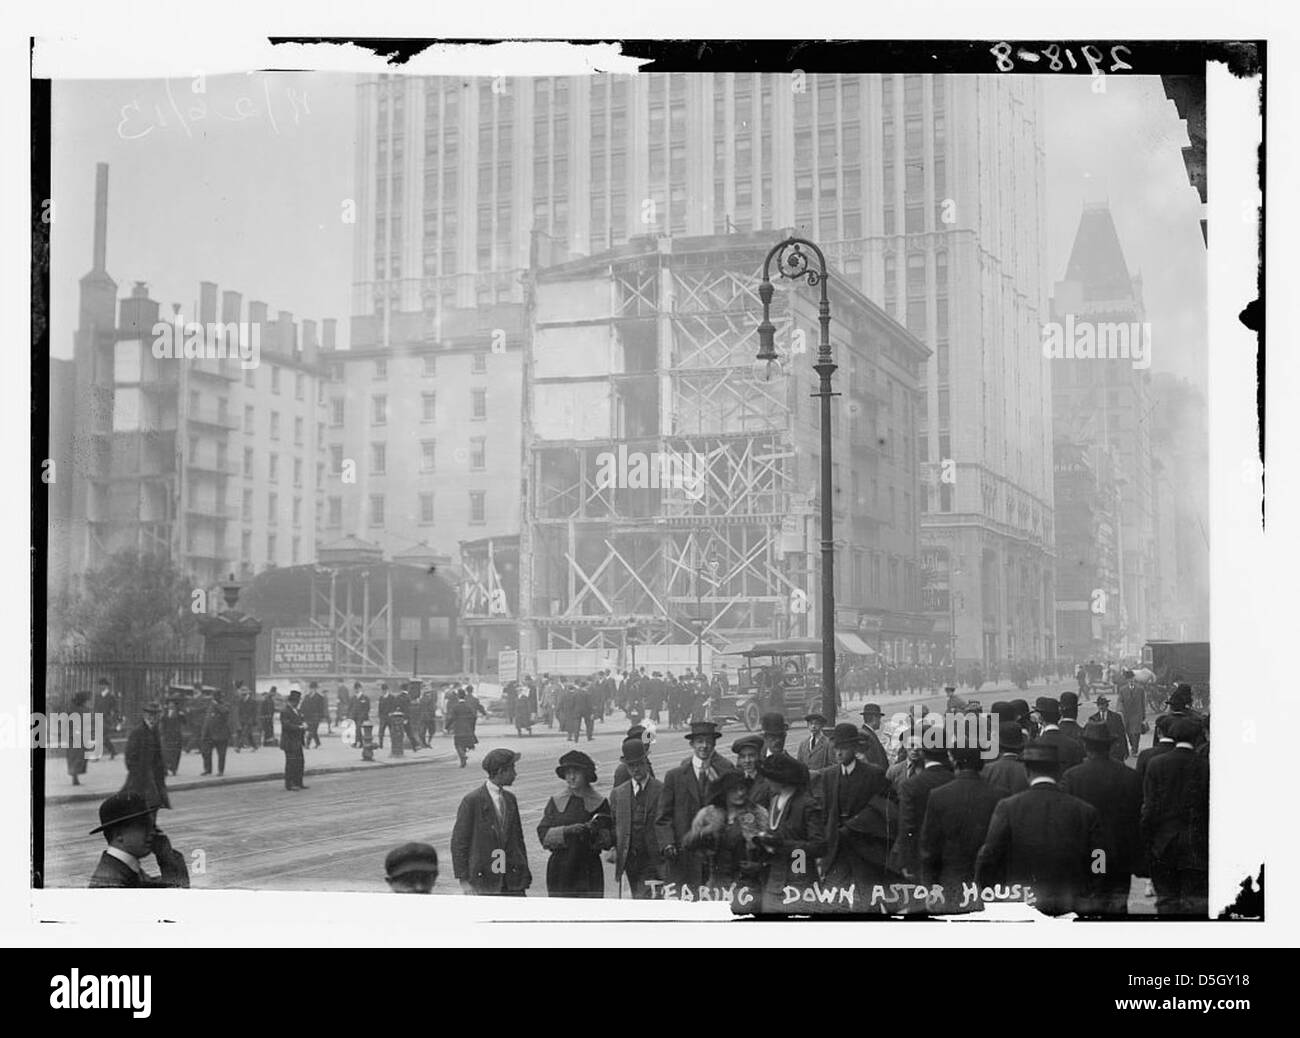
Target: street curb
[[277, 776]]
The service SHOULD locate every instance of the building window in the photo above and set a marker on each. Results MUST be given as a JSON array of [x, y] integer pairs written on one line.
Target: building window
[[336, 458], [273, 468], [297, 472], [272, 506], [297, 432], [248, 462], [270, 549], [379, 410], [248, 418], [246, 510], [381, 369], [378, 458], [428, 455], [479, 364], [478, 399], [275, 379], [478, 453], [248, 378], [297, 511], [275, 425], [336, 412], [376, 509], [428, 407], [426, 509], [430, 365], [298, 383], [336, 511], [478, 506]]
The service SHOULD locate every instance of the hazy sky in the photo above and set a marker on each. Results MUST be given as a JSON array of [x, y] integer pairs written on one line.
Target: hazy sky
[[251, 196]]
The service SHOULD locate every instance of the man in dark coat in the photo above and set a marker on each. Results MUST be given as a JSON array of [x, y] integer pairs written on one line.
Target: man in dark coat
[[1114, 790], [106, 703], [584, 708], [815, 751], [313, 713], [1007, 774], [872, 751], [127, 823], [342, 703], [246, 712], [913, 796], [1043, 839], [488, 855], [266, 710], [1163, 744], [359, 712], [687, 788], [1069, 751], [1069, 722], [292, 729], [385, 707], [146, 772], [854, 797], [635, 805], [1133, 709], [216, 731], [957, 817], [462, 719], [1175, 808], [1114, 724]]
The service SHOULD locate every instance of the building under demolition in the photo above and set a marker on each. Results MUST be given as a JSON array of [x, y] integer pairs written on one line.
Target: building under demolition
[[669, 491]]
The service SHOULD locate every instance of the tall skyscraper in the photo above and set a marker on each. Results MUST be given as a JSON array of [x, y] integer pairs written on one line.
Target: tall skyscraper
[[925, 191]]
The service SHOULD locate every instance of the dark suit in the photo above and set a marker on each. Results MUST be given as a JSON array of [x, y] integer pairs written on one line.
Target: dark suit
[[1043, 838], [957, 817], [1144, 758], [292, 729], [1070, 750], [479, 833], [114, 873], [636, 849], [1113, 789], [679, 802], [621, 774], [913, 795], [215, 734], [146, 773], [1119, 736], [1006, 774], [857, 825], [1175, 811], [1071, 728], [872, 750], [816, 757]]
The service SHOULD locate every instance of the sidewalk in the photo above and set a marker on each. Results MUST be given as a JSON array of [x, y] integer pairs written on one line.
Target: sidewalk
[[106, 776]]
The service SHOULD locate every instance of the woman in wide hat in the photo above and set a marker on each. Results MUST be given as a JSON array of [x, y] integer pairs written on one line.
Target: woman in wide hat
[[795, 836], [576, 827], [727, 830]]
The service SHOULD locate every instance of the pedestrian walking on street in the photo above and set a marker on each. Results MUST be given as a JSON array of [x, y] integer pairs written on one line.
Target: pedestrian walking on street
[[266, 710], [77, 754], [687, 788], [360, 712], [461, 721], [577, 826], [634, 804], [313, 712], [292, 727], [106, 703], [146, 774], [488, 855], [216, 731], [171, 733]]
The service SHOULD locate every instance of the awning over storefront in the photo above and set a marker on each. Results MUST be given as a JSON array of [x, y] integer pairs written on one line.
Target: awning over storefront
[[852, 644]]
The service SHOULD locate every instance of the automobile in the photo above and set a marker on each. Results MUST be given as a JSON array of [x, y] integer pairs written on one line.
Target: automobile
[[1174, 662], [781, 676]]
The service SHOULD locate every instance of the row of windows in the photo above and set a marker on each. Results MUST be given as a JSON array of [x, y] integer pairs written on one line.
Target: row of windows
[[273, 468], [428, 407], [476, 455], [377, 509]]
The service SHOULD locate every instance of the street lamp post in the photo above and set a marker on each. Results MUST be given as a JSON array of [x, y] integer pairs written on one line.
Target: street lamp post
[[792, 264], [712, 567]]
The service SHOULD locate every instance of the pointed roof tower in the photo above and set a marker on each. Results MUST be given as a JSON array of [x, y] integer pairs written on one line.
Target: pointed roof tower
[[1097, 259]]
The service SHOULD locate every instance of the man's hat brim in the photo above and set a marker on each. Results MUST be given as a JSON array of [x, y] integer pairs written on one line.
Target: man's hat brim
[[121, 821]]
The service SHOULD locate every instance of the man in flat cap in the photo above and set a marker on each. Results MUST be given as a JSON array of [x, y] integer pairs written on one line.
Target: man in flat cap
[[126, 821], [1114, 790], [815, 751], [1069, 751], [687, 788], [854, 797], [411, 869], [635, 805], [1175, 810], [748, 749], [1043, 838], [1113, 723], [872, 751], [488, 854], [1007, 774]]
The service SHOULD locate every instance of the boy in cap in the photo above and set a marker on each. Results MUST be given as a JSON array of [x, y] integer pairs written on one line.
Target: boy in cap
[[126, 821], [411, 869], [815, 751], [488, 855]]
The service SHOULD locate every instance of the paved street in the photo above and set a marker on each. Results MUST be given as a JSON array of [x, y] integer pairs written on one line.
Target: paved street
[[334, 835]]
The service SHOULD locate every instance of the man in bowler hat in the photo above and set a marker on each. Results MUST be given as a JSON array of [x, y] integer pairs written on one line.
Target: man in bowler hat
[[687, 788], [1069, 751], [854, 797], [1043, 839], [957, 817], [872, 750], [773, 727], [1113, 723], [635, 805], [292, 732], [1007, 774], [128, 827], [146, 771]]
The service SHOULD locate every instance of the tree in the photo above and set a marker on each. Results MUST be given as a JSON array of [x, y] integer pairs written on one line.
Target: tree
[[135, 605]]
